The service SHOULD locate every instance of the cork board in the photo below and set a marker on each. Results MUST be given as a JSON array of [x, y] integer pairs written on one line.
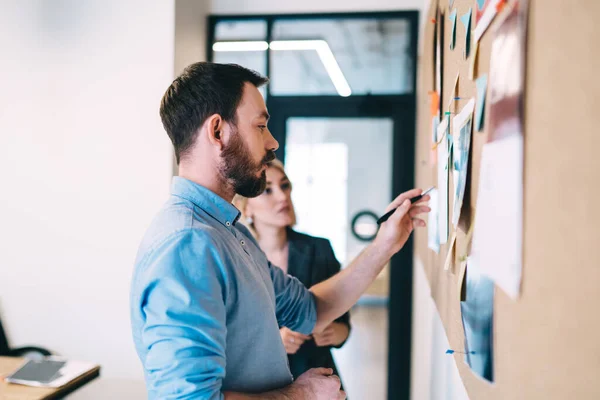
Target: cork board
[[546, 343]]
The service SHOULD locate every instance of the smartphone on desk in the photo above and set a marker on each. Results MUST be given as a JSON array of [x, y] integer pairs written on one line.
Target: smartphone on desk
[[50, 371]]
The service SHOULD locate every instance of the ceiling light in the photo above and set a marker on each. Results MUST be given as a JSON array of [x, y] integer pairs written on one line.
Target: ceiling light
[[320, 46], [260, 45]]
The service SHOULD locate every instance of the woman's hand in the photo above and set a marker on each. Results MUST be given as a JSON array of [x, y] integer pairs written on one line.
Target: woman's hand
[[334, 335], [292, 340]]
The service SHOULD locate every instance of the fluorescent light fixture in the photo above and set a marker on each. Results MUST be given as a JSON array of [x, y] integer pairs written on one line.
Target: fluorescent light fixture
[[320, 46], [259, 45]]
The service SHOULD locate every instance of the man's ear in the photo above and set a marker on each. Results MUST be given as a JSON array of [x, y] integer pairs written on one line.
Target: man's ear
[[214, 127]]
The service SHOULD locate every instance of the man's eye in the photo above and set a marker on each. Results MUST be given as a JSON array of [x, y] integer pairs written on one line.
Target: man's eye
[[262, 127], [268, 191]]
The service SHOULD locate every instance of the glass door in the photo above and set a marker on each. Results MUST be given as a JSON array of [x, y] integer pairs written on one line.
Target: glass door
[[341, 185]]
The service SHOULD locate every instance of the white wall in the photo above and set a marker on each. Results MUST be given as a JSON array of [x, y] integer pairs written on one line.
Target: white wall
[[434, 374], [311, 6], [84, 165]]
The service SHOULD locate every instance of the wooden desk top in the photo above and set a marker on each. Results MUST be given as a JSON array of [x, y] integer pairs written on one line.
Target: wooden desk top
[[9, 391]]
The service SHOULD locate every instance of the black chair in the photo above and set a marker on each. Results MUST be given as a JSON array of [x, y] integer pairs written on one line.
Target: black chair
[[28, 351]]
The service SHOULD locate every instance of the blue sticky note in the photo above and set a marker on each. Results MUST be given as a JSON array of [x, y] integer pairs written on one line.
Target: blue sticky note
[[453, 29], [480, 4], [481, 83], [466, 20]]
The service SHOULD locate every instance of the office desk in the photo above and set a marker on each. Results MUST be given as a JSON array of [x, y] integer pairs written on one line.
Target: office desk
[[111, 388], [10, 391]]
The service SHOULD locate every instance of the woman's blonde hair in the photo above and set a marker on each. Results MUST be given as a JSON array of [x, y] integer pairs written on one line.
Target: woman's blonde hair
[[241, 202]]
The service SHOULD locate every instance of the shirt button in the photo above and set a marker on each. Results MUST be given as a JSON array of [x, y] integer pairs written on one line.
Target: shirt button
[[243, 243], [228, 223]]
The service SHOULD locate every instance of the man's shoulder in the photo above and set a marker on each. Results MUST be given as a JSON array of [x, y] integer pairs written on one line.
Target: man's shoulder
[[178, 223]]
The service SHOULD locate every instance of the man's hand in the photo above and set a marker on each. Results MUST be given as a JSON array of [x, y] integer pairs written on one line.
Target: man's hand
[[333, 335], [394, 233], [318, 384], [337, 294], [314, 384], [292, 340]]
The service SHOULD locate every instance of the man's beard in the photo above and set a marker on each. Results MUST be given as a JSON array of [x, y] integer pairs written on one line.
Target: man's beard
[[239, 170]]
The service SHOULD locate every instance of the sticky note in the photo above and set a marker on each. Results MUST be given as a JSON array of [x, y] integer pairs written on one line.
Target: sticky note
[[473, 66], [480, 4], [453, 94], [452, 29], [434, 103], [481, 83], [466, 20]]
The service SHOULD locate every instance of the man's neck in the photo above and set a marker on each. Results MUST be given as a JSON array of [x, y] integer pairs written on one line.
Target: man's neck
[[208, 177]]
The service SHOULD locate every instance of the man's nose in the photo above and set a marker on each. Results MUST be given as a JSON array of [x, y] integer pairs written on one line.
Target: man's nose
[[271, 143]]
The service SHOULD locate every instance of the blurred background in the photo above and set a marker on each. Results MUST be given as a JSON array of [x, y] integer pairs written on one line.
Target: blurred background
[[85, 164]]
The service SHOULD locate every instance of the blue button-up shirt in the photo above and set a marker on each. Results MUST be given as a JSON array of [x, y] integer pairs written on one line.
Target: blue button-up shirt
[[206, 305]]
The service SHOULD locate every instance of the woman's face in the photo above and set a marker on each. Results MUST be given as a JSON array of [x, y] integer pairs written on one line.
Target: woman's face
[[274, 206]]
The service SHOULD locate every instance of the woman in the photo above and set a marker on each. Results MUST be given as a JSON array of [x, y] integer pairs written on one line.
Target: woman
[[270, 217]]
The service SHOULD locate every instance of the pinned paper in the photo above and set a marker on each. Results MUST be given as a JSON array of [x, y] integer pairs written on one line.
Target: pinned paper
[[466, 20], [442, 187], [433, 233], [477, 313], [498, 230], [473, 66], [497, 238], [452, 29], [450, 255], [461, 136], [462, 289], [480, 4], [485, 16], [453, 93], [435, 121], [481, 90], [434, 103]]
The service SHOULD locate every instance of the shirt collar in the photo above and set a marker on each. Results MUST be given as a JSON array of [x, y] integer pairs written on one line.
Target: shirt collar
[[213, 204]]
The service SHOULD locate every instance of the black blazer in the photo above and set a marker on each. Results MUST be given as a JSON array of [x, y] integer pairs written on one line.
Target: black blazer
[[311, 260]]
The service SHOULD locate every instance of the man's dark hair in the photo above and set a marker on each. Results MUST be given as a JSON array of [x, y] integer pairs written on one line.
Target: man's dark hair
[[203, 89]]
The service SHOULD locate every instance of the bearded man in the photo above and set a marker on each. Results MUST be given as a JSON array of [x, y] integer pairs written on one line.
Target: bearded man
[[206, 304]]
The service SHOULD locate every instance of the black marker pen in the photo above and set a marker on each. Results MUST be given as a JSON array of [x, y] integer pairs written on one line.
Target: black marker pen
[[412, 201]]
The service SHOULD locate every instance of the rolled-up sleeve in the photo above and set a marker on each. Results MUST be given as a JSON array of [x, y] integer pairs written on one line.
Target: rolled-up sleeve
[[295, 304], [183, 303]]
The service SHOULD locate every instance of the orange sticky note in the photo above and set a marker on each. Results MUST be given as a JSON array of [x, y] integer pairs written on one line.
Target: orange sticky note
[[500, 5], [434, 103]]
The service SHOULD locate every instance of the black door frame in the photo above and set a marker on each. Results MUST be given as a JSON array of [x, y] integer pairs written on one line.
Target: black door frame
[[402, 110]]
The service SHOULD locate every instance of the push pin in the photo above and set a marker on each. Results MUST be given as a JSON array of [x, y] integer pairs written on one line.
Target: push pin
[[450, 351]]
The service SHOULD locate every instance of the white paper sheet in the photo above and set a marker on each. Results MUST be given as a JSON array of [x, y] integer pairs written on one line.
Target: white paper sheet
[[433, 232], [450, 254], [461, 142], [442, 186], [486, 19], [497, 235]]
